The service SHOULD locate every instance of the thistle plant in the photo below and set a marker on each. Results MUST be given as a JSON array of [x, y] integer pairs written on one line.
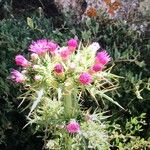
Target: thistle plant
[[55, 79]]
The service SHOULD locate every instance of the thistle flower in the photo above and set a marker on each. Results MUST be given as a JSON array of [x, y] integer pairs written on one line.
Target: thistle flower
[[72, 43], [40, 47], [85, 78], [17, 76], [64, 53], [52, 47], [58, 68], [20, 60], [73, 127], [102, 57], [97, 67]]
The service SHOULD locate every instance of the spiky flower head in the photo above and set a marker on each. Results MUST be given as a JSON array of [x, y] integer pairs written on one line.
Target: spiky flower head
[[97, 67], [20, 60], [73, 127], [102, 57], [17, 76], [85, 78], [72, 43], [64, 53], [58, 68], [41, 46]]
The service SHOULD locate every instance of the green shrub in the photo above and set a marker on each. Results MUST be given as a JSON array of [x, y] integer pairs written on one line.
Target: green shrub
[[128, 137]]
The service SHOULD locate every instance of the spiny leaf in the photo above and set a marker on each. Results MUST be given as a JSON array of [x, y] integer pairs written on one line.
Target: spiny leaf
[[38, 99], [110, 99]]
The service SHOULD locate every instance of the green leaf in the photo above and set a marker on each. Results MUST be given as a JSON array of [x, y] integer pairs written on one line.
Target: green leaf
[[88, 22], [30, 23]]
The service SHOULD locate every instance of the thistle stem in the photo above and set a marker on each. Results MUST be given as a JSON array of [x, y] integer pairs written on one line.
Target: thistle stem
[[68, 105]]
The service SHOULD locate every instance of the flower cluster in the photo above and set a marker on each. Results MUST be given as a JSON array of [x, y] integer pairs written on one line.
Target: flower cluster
[[62, 60]]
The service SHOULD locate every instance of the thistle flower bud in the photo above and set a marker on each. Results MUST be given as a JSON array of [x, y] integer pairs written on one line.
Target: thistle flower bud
[[20, 60], [58, 68]]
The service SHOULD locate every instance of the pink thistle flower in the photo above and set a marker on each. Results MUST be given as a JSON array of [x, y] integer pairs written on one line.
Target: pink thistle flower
[[72, 44], [97, 67], [17, 76], [20, 60], [58, 68], [64, 53], [52, 47], [85, 78], [73, 127], [40, 47], [102, 57]]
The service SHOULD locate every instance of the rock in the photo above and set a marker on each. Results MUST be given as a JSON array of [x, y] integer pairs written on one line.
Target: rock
[[72, 8]]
